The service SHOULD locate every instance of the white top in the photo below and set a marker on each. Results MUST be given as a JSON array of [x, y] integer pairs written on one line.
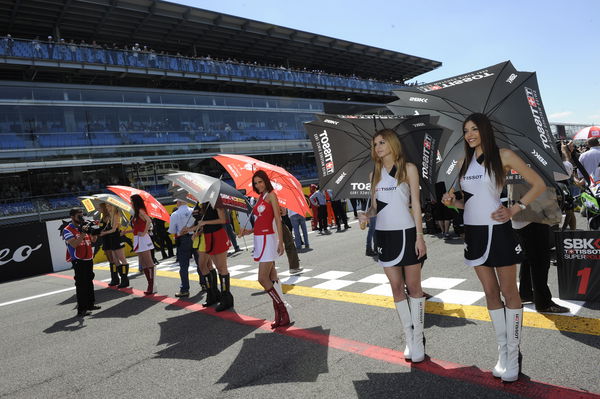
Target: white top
[[392, 204], [181, 218], [590, 161], [482, 196]]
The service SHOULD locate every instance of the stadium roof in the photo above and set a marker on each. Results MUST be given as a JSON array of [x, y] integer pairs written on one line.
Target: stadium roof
[[173, 27]]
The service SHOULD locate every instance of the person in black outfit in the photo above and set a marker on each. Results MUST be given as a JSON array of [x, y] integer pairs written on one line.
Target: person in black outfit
[[162, 238]]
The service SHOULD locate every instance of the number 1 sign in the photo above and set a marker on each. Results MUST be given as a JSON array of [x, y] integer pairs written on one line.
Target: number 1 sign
[[578, 256]]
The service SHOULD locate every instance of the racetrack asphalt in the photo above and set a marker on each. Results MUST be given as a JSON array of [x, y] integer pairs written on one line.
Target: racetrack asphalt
[[344, 343]]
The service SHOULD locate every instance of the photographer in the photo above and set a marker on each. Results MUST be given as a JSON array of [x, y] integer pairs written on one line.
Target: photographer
[[80, 252]]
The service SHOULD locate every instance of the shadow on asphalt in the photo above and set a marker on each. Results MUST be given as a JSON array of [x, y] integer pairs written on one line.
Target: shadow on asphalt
[[590, 340], [126, 308], [71, 324], [272, 358], [102, 295], [415, 384], [457, 319], [181, 334]]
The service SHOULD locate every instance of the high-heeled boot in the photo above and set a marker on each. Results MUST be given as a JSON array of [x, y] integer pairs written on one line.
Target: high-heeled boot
[[212, 295], [403, 310], [152, 288], [282, 317], [499, 322], [514, 324], [114, 275], [124, 272], [417, 313], [226, 301], [288, 307]]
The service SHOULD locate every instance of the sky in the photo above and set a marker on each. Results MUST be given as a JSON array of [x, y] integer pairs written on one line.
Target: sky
[[558, 39]]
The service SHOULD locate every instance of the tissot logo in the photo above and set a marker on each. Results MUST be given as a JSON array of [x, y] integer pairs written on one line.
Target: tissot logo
[[538, 118], [360, 186], [427, 143], [20, 255], [418, 99], [457, 81], [325, 153], [420, 124], [331, 122]]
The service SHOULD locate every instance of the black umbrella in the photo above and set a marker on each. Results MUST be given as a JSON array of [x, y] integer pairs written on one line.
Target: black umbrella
[[205, 188], [342, 146], [511, 100]]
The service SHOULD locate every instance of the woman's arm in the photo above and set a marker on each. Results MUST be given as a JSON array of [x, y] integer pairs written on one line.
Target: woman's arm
[[148, 221], [510, 160], [449, 198], [272, 198]]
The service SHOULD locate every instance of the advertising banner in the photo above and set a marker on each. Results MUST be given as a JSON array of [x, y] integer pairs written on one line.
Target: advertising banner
[[578, 256], [24, 251]]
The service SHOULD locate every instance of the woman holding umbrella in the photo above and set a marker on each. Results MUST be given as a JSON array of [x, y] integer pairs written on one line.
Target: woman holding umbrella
[[216, 244], [113, 245], [490, 245], [268, 245], [395, 185], [142, 242]]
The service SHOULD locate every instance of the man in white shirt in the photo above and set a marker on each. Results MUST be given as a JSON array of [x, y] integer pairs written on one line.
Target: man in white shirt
[[180, 225], [591, 160]]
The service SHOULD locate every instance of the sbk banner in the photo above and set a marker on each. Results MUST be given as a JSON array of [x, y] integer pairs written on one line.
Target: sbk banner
[[578, 256], [24, 251]]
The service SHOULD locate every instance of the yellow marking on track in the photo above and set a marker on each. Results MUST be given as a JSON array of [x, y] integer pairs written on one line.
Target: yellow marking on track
[[576, 324]]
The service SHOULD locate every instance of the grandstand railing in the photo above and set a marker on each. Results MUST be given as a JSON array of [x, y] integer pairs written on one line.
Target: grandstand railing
[[73, 53]]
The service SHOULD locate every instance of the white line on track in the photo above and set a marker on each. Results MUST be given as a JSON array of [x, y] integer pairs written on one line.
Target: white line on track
[[40, 295]]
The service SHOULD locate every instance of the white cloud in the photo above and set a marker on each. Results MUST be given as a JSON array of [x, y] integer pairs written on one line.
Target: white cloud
[[560, 115]]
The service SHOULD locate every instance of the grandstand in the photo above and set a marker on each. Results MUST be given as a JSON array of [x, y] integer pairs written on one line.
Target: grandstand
[[97, 92]]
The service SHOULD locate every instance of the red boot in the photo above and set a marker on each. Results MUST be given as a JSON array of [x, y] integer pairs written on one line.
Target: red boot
[[149, 272], [277, 303], [284, 317]]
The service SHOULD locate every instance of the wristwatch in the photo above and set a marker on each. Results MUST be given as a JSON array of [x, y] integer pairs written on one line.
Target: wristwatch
[[521, 205]]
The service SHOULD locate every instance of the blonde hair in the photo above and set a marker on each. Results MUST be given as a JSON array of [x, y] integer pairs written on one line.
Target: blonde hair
[[113, 211], [392, 140]]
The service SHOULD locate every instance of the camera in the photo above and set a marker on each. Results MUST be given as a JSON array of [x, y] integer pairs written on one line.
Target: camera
[[90, 227]]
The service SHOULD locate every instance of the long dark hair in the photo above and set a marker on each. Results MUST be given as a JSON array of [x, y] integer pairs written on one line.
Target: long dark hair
[[137, 203], [262, 175], [492, 161]]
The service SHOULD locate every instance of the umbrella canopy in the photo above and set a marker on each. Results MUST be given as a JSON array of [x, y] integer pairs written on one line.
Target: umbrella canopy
[[92, 203], [154, 208], [342, 146], [511, 100], [588, 133], [209, 189], [286, 186]]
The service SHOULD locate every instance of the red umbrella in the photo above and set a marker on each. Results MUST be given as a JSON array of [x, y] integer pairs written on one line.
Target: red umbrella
[[286, 186], [588, 133], [154, 208]]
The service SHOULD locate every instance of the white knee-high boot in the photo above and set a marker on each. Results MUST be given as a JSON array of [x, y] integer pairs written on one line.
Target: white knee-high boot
[[499, 322], [514, 324], [277, 286], [417, 312], [405, 318]]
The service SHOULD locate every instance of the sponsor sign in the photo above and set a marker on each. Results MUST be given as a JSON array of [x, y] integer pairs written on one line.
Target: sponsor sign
[[578, 256], [428, 165], [539, 119], [24, 251], [360, 189], [444, 84], [324, 154]]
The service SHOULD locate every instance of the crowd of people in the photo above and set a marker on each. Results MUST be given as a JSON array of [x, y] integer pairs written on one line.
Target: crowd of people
[[145, 55]]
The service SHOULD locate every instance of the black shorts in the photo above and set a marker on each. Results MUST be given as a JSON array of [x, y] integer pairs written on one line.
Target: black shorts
[[493, 245], [112, 242], [397, 247]]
